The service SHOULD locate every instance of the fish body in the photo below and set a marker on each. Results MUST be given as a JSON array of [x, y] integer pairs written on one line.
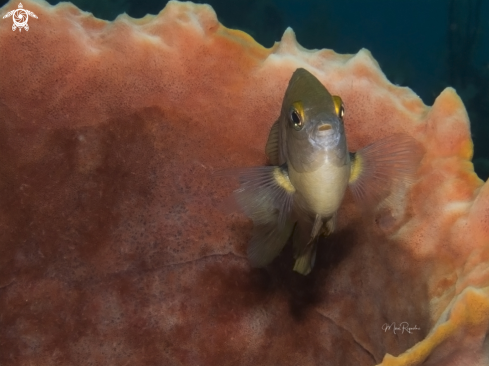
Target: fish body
[[299, 195], [320, 192]]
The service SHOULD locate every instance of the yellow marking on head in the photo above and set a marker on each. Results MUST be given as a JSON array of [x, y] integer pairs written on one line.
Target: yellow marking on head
[[338, 106], [356, 168], [283, 180], [299, 107]]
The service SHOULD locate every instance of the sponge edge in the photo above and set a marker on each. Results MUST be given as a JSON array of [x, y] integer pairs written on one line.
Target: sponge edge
[[467, 322], [107, 222], [448, 126]]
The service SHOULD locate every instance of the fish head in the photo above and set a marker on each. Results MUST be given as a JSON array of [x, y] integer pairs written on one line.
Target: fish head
[[312, 122]]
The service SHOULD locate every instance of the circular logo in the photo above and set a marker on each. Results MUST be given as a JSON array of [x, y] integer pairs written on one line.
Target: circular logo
[[20, 18]]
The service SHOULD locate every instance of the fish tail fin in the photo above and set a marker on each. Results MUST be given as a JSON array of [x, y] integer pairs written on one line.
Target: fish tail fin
[[265, 195], [305, 259], [375, 168]]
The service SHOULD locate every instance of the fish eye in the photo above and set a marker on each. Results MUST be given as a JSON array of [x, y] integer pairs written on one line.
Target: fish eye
[[296, 115], [296, 119]]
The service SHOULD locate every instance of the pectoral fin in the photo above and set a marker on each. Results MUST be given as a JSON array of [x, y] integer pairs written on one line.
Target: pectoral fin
[[265, 196], [375, 167]]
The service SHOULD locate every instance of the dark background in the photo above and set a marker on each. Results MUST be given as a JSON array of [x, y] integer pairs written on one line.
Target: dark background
[[426, 45]]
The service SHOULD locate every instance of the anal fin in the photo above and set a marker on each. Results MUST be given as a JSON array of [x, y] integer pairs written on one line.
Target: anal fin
[[305, 241], [329, 226], [267, 242]]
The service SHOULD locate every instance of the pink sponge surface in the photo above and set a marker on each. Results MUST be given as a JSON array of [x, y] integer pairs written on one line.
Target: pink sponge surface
[[113, 250]]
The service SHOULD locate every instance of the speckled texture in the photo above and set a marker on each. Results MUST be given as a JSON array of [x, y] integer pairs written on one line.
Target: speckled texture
[[112, 250]]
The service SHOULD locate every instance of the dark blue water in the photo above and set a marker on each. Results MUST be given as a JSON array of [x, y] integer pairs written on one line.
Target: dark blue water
[[423, 44]]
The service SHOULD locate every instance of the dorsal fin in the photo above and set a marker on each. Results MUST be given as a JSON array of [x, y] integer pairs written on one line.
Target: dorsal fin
[[272, 145]]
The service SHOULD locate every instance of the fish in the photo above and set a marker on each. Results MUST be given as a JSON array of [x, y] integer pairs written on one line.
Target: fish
[[299, 194]]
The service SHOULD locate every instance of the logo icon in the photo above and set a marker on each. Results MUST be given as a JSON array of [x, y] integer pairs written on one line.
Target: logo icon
[[20, 17]]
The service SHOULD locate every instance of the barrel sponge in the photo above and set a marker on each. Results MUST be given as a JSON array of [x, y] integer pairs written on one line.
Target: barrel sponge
[[112, 246]]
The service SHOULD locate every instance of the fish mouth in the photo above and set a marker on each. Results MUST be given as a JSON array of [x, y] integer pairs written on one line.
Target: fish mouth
[[325, 127]]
